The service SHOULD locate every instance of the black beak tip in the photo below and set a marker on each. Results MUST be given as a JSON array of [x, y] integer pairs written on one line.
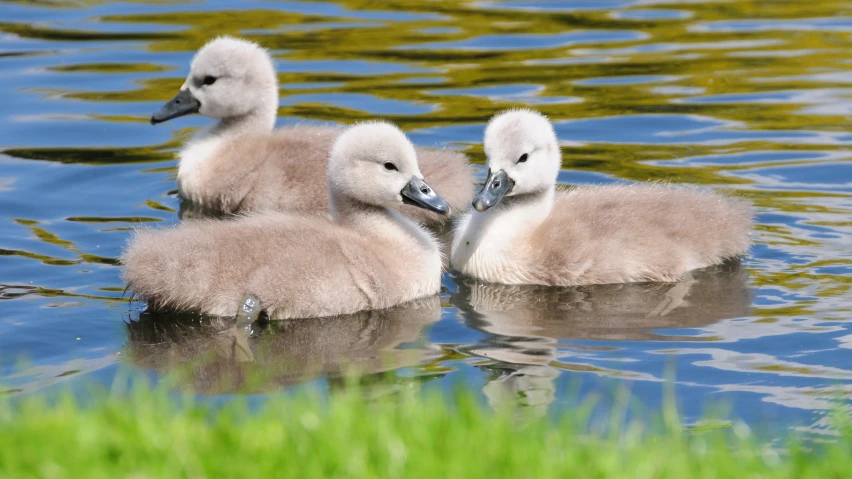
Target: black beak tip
[[419, 194], [182, 104], [479, 205], [497, 185]]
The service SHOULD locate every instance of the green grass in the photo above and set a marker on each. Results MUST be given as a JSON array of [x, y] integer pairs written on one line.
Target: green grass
[[151, 434]]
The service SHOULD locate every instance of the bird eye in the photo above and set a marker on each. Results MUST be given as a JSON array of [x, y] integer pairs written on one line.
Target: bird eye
[[209, 80], [390, 167], [523, 158]]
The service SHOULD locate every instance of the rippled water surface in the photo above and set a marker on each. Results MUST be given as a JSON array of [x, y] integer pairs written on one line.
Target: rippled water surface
[[751, 97]]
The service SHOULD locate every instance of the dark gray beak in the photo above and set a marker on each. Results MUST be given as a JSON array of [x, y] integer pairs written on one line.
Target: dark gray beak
[[419, 194], [182, 104], [497, 185]]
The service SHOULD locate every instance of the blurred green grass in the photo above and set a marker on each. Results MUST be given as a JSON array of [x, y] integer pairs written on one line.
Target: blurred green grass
[[155, 433]]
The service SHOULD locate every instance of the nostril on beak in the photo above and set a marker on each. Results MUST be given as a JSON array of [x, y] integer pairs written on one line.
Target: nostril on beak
[[496, 184], [424, 189]]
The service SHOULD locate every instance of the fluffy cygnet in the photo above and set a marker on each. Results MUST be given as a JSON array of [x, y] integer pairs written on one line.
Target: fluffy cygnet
[[367, 256], [524, 231], [241, 164]]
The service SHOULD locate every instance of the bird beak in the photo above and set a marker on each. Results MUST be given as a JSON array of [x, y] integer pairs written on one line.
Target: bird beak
[[496, 186], [420, 194], [182, 104]]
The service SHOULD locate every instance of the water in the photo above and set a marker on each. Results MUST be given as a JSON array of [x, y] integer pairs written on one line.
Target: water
[[751, 97]]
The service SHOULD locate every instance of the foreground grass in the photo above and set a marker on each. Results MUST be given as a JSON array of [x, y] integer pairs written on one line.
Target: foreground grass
[[149, 434]]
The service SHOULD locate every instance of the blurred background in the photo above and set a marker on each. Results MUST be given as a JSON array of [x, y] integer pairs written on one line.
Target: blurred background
[[749, 97]]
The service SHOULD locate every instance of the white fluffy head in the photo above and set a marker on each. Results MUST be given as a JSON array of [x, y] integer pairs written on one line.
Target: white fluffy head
[[371, 163], [232, 77], [522, 143]]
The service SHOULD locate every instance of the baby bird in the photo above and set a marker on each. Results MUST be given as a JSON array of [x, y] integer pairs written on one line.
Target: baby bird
[[241, 164], [524, 231], [365, 256]]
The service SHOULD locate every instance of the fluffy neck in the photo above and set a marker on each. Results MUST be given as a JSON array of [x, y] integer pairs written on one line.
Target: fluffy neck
[[207, 141], [533, 207], [257, 120], [482, 241], [373, 220]]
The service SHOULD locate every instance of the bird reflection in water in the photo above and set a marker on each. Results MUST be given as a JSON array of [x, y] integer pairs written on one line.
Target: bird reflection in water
[[525, 324], [214, 356]]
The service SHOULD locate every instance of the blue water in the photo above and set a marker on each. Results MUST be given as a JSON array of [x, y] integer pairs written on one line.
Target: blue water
[[752, 98]]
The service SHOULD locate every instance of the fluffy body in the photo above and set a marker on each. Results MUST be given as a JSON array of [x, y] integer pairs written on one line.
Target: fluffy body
[[298, 266], [366, 256], [242, 165], [284, 170], [588, 234]]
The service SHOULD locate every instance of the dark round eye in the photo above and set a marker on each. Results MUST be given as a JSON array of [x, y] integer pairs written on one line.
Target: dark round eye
[[209, 80], [390, 166], [523, 158]]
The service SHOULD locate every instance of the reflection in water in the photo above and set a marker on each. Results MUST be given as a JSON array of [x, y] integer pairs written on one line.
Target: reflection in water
[[220, 356], [525, 324]]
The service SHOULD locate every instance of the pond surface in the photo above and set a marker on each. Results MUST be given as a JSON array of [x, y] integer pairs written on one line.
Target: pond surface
[[751, 97]]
